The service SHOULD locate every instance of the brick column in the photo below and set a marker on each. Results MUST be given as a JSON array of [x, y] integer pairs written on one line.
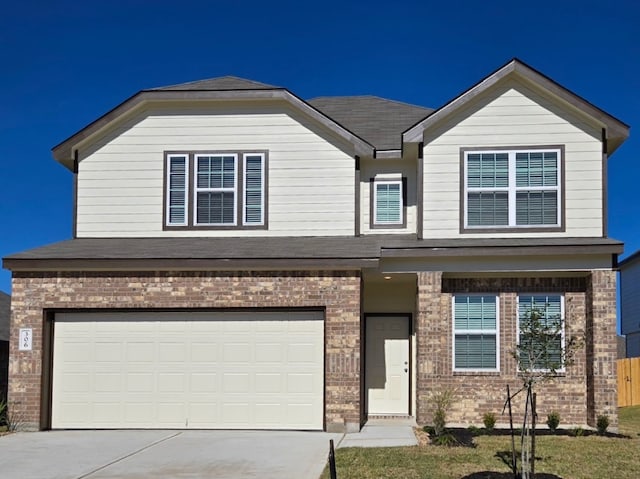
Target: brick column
[[601, 353], [431, 340]]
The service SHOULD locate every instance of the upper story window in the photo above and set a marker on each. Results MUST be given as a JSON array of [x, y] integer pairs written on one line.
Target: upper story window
[[215, 190], [512, 189], [475, 332], [388, 204]]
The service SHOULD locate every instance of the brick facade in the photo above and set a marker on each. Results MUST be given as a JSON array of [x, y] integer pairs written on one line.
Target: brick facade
[[335, 291], [582, 392]]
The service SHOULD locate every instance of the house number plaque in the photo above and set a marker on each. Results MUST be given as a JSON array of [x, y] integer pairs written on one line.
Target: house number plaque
[[26, 336]]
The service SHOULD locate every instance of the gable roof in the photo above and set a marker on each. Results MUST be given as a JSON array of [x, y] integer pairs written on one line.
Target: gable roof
[[378, 120], [215, 89], [220, 83], [5, 314], [617, 131]]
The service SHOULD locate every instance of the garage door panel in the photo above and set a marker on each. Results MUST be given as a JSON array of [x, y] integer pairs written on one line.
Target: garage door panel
[[198, 370]]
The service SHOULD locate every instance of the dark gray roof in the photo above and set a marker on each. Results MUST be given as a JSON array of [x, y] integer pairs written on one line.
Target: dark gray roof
[[220, 83], [377, 120], [289, 251], [5, 313]]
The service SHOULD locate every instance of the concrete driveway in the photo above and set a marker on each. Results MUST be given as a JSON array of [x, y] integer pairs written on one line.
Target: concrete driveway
[[164, 454]]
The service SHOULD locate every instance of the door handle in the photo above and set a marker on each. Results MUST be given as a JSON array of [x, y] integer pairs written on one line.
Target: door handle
[[406, 370]]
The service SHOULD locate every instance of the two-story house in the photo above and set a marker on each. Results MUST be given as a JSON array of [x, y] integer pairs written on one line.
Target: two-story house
[[243, 258]]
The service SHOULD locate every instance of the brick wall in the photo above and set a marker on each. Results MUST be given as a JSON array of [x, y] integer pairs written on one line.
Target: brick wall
[[338, 292], [478, 393]]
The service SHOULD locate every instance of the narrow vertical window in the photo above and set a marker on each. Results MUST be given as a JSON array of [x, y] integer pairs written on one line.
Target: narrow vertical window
[[253, 189], [216, 184], [475, 328], [177, 174], [388, 203]]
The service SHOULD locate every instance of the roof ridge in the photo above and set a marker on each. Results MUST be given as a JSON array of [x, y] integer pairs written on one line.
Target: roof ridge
[[259, 85], [390, 100]]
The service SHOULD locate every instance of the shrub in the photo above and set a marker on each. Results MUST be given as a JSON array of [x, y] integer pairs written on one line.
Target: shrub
[[446, 439], [576, 432], [553, 420], [489, 421], [441, 401], [602, 424]]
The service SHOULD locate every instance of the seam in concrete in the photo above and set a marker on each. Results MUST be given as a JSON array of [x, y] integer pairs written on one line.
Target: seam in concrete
[[90, 473]]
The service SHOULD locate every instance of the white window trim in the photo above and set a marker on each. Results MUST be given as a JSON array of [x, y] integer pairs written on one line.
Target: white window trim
[[233, 190], [168, 221], [377, 182], [474, 331], [244, 188], [561, 370], [512, 189]]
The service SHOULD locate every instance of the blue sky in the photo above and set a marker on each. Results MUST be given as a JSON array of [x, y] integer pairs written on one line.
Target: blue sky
[[65, 63]]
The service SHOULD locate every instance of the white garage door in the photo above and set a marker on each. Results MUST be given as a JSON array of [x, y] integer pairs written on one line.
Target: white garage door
[[231, 370]]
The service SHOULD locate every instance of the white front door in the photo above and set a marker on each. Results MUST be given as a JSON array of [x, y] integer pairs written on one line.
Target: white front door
[[387, 365]]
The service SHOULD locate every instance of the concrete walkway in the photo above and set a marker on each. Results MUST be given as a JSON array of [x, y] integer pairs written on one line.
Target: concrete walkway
[[382, 433]]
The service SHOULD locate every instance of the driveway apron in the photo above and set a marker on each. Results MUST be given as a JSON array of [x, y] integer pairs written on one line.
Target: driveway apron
[[164, 454]]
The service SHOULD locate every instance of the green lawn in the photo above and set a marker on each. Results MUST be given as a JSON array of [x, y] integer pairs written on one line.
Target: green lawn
[[568, 457]]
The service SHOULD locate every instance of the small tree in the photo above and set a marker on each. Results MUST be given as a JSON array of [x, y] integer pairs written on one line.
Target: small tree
[[542, 351]]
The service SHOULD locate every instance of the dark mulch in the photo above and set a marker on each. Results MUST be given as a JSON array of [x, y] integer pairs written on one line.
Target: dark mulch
[[506, 475]]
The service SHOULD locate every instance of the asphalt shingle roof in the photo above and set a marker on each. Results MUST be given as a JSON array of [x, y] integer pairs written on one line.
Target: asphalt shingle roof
[[303, 247], [220, 83], [377, 120]]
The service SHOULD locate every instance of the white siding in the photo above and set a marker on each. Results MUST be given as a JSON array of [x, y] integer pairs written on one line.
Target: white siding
[[310, 179], [515, 116], [630, 298], [369, 168]]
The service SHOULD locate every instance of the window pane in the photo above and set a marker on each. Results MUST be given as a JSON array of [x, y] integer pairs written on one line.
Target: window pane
[[388, 203], [216, 172], [488, 209], [475, 312], [537, 169], [537, 207], [487, 170], [215, 208], [253, 194], [475, 351], [177, 190]]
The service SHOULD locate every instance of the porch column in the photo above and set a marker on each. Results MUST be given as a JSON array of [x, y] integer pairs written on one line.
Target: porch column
[[431, 339], [601, 351]]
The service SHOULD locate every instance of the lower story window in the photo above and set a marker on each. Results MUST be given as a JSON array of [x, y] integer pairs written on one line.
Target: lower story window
[[475, 332], [540, 331]]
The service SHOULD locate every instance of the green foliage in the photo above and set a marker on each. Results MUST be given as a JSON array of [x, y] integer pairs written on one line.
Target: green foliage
[[445, 439], [576, 432], [441, 402], [602, 423], [553, 421], [474, 431], [489, 421]]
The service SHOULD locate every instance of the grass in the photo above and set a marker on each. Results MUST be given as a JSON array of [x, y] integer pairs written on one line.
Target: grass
[[557, 456]]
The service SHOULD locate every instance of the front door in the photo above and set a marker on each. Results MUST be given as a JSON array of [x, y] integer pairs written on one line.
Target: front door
[[387, 365]]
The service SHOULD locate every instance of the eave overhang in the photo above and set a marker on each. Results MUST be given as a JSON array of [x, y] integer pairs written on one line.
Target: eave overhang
[[616, 131]]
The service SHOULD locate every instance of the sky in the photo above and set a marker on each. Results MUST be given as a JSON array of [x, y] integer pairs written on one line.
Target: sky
[[65, 63]]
